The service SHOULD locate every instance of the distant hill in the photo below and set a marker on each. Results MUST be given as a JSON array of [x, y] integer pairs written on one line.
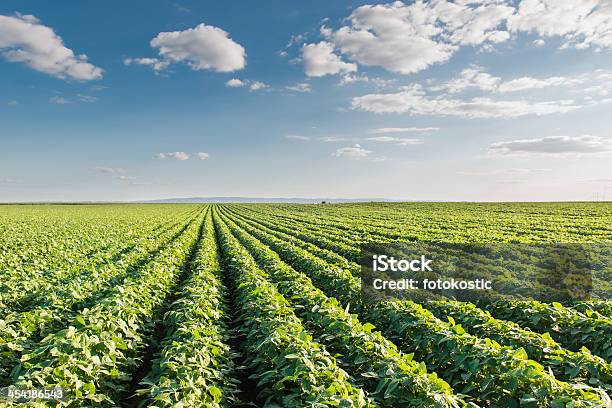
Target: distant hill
[[295, 200]]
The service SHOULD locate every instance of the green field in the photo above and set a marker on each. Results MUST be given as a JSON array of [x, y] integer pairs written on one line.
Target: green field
[[259, 305]]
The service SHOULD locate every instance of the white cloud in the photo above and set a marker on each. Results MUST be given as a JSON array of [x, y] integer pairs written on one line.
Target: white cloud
[[301, 87], [524, 83], [12, 103], [202, 156], [352, 78], [319, 60], [24, 39], [400, 141], [109, 170], [173, 155], [409, 38], [252, 85], [472, 77], [257, 85], [297, 137], [203, 47], [413, 100], [126, 178], [394, 36], [474, 22], [332, 139], [58, 100], [475, 78], [355, 151], [403, 130], [582, 23], [555, 145], [155, 63], [235, 83], [348, 79]]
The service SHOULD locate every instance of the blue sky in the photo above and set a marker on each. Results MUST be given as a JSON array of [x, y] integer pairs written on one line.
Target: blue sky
[[479, 100]]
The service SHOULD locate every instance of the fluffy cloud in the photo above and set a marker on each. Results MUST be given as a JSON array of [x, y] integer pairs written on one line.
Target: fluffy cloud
[[202, 156], [475, 78], [582, 23], [203, 47], [173, 155], [407, 38], [413, 100], [155, 63], [240, 83], [403, 130], [556, 145], [524, 83], [319, 60], [355, 151], [257, 85], [297, 137], [400, 141], [395, 36], [378, 82], [473, 22], [24, 39], [472, 77], [235, 83]]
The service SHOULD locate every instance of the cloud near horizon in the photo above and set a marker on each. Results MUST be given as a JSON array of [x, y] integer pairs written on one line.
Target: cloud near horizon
[[554, 145], [173, 155], [355, 151]]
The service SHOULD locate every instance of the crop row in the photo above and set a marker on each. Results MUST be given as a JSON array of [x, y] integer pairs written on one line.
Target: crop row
[[195, 366]]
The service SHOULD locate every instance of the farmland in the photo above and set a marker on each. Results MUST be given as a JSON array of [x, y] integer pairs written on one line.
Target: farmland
[[236, 304]]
